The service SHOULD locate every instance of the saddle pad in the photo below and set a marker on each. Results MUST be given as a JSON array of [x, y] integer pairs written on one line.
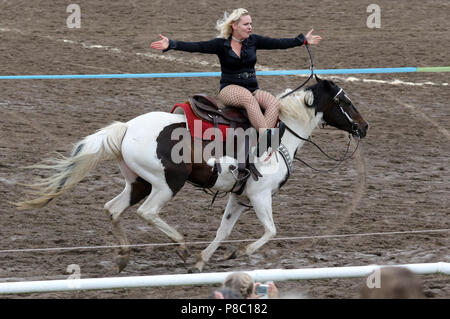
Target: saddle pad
[[202, 126]]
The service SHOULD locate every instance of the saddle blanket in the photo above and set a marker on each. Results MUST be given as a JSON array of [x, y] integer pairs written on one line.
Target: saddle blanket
[[197, 126]]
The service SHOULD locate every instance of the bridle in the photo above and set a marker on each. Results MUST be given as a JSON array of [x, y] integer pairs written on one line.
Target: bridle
[[338, 98], [332, 102], [340, 95]]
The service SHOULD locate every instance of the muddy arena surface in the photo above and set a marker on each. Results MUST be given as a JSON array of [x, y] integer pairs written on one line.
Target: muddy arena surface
[[398, 180]]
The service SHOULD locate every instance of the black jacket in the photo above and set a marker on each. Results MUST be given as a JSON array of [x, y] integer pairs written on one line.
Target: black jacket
[[231, 64]]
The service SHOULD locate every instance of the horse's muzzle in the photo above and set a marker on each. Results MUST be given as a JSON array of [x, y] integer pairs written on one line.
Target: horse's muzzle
[[360, 130]]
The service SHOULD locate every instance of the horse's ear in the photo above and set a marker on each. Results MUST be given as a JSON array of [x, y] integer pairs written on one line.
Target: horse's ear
[[309, 98], [317, 78]]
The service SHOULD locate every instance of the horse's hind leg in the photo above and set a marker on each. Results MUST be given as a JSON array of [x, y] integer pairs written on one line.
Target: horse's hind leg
[[114, 209], [149, 211], [135, 190]]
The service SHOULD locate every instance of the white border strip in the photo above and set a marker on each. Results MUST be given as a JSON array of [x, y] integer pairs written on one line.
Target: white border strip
[[209, 278]]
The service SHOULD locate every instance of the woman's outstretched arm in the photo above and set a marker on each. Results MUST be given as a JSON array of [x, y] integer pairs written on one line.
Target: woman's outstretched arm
[[165, 44]]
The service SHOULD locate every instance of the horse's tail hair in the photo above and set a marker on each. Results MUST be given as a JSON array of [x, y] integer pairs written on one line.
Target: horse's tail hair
[[103, 145]]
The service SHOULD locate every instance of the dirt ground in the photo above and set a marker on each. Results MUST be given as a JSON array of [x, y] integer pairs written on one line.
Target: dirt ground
[[398, 181]]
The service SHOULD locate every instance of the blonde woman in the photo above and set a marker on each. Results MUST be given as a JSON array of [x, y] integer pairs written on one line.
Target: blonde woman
[[236, 48]]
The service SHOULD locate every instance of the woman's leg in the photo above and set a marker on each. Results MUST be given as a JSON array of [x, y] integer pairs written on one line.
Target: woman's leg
[[238, 96], [270, 104]]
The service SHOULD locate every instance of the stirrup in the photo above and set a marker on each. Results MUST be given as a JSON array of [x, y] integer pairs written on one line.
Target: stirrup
[[237, 174]]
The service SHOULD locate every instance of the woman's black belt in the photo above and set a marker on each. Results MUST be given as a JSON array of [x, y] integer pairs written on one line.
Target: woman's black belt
[[240, 76]]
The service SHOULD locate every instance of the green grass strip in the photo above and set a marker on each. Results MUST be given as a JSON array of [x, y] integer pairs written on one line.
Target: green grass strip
[[434, 69]]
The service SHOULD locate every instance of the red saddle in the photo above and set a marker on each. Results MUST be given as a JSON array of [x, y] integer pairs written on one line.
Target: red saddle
[[202, 113]]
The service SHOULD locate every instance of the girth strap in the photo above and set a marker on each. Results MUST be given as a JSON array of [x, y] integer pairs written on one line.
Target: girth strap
[[217, 166]]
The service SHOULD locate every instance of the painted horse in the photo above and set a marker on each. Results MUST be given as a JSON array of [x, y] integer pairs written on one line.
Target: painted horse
[[144, 148]]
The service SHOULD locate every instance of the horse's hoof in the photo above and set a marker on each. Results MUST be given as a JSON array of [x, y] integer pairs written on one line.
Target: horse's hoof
[[183, 253], [231, 254], [121, 262], [198, 267], [234, 253], [194, 270]]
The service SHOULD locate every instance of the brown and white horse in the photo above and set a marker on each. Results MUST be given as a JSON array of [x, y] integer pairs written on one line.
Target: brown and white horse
[[144, 147]]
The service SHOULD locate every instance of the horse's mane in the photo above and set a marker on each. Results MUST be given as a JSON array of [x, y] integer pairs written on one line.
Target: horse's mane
[[295, 106]]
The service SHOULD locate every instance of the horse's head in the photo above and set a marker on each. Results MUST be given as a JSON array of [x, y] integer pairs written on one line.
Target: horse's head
[[337, 108]]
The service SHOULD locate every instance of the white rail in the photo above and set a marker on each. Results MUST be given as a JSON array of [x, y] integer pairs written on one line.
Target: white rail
[[208, 278]]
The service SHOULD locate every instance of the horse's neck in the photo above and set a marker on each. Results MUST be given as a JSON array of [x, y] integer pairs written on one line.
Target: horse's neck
[[304, 130]]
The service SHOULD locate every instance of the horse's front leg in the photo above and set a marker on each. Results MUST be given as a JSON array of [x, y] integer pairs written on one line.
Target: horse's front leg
[[262, 204], [231, 214]]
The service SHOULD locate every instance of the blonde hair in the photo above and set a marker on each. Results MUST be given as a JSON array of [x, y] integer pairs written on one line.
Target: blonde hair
[[241, 282], [224, 25]]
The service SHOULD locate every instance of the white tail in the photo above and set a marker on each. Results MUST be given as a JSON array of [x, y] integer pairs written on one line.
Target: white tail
[[100, 146]]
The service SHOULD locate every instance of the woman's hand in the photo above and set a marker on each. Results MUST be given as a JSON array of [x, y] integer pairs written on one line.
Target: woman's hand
[[161, 44], [312, 39]]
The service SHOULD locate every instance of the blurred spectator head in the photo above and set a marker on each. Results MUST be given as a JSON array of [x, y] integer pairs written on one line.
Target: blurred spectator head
[[241, 282], [392, 283]]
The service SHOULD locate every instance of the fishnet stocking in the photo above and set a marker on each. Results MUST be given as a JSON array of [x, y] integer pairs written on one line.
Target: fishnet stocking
[[238, 96], [270, 104]]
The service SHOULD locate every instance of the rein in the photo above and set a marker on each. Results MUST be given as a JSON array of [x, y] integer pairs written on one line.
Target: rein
[[340, 161], [309, 78]]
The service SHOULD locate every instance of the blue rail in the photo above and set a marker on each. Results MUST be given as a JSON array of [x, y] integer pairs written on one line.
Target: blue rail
[[206, 74]]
